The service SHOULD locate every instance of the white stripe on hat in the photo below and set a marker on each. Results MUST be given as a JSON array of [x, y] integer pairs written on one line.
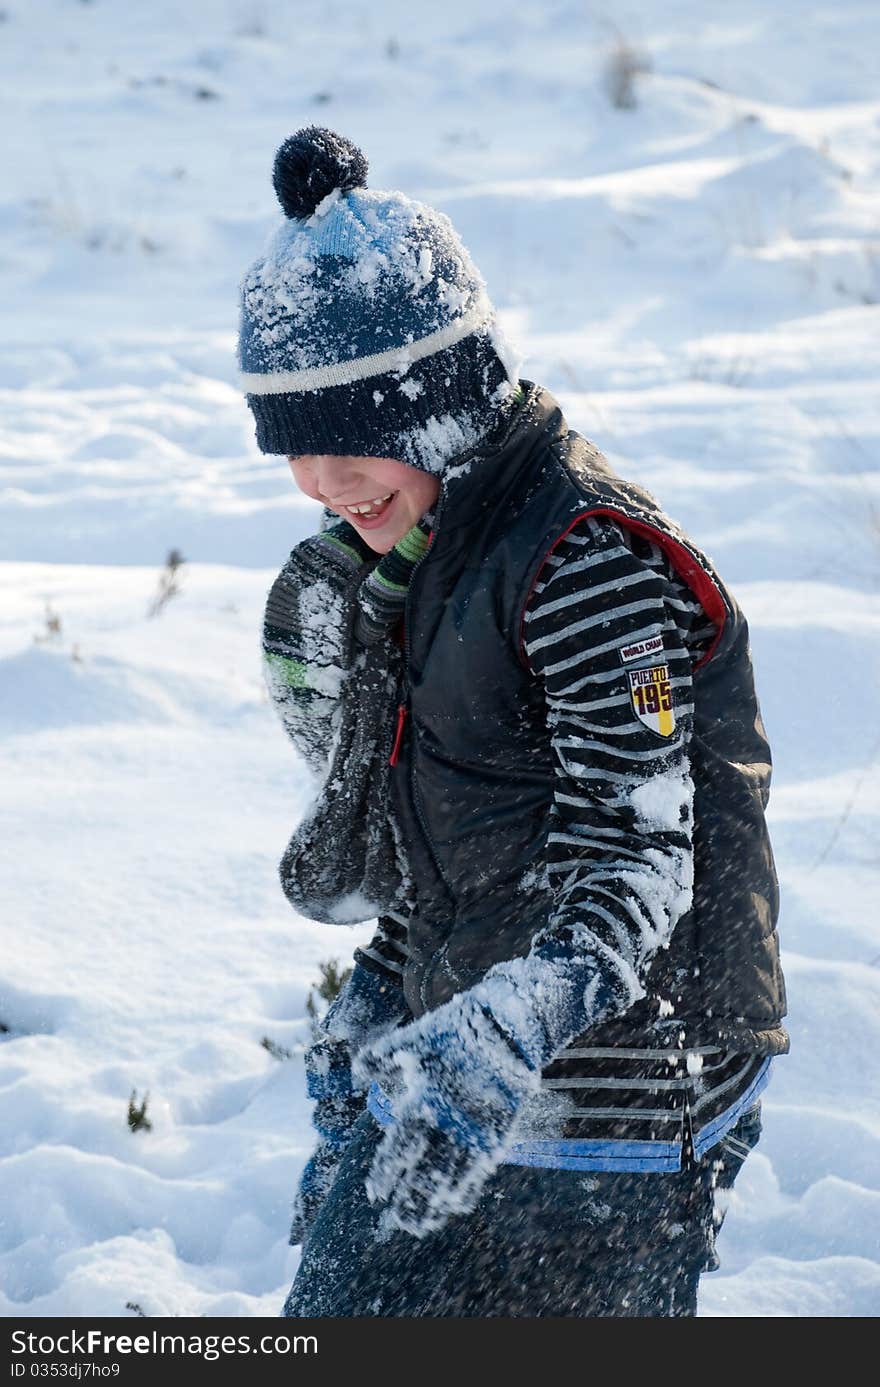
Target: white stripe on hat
[[362, 367]]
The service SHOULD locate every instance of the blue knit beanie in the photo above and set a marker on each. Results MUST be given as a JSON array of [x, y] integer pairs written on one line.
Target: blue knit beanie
[[366, 329]]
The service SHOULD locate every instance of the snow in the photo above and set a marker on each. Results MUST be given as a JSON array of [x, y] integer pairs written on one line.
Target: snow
[[320, 611], [664, 801], [324, 206], [696, 278]]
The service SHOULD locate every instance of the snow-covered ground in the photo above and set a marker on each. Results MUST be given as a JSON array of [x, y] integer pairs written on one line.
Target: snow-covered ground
[[696, 278]]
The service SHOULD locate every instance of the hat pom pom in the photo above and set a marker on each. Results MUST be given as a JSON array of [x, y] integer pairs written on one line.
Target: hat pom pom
[[311, 164]]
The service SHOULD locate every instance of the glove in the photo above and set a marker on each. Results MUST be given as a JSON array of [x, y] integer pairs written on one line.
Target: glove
[[458, 1077], [382, 593], [308, 632], [344, 863], [337, 1108], [333, 591], [367, 1005]]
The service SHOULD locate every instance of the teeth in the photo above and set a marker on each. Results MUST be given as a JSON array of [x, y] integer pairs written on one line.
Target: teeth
[[366, 506]]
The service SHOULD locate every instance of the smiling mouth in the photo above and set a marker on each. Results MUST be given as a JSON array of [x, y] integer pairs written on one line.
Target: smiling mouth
[[368, 510]]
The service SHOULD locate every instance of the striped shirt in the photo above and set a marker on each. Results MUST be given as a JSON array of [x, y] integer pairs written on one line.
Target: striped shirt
[[613, 634]]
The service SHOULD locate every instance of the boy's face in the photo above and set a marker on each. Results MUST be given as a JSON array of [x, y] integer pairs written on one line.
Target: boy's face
[[395, 494]]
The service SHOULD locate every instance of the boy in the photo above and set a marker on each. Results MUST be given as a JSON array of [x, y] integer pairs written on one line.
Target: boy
[[527, 700]]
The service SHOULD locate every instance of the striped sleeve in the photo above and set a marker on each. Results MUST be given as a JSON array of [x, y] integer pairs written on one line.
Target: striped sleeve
[[603, 634], [303, 682], [387, 952]]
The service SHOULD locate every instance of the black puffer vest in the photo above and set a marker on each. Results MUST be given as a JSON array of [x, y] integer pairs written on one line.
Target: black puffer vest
[[473, 779]]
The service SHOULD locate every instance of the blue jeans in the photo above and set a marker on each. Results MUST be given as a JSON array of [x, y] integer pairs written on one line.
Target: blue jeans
[[540, 1243]]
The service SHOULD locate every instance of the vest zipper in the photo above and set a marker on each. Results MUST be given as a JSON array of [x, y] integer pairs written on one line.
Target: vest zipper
[[402, 708], [398, 735]]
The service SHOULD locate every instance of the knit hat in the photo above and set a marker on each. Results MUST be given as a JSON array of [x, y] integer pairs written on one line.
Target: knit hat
[[366, 329]]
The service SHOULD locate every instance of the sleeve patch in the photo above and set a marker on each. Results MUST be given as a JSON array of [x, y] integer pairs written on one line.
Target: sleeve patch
[[651, 696], [641, 650]]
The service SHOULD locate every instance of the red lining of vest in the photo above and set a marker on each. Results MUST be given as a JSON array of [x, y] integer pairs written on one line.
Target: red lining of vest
[[698, 580]]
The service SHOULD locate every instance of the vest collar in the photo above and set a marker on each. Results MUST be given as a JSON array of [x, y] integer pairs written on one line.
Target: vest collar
[[475, 480]]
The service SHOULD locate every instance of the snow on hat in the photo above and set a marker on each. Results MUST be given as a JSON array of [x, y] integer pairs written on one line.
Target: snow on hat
[[366, 329]]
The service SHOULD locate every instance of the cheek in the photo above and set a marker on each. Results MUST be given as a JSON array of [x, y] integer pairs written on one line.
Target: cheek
[[421, 492], [430, 492], [305, 481]]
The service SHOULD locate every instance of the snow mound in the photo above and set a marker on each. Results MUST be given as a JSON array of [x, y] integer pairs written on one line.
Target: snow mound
[[47, 689]]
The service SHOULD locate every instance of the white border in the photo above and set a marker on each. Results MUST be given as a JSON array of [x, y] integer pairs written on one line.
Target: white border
[[362, 367]]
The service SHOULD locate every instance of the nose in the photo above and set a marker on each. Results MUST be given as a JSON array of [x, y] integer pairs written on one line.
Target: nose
[[336, 477]]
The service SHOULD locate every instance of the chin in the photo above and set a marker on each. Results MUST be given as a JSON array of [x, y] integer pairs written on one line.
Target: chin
[[381, 541]]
